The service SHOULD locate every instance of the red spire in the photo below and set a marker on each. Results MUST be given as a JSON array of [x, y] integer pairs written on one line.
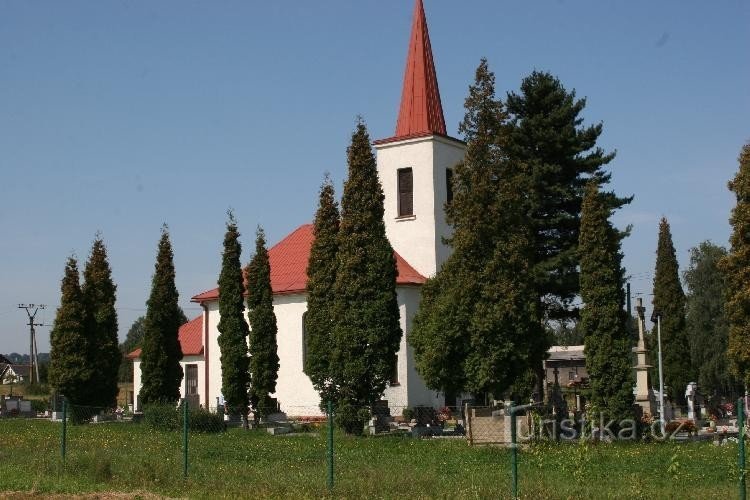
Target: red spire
[[421, 111]]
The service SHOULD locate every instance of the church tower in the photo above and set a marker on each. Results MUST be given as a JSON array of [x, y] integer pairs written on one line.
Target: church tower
[[416, 164]]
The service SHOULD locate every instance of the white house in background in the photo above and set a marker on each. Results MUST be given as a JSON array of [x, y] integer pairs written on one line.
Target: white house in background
[[193, 363], [415, 167]]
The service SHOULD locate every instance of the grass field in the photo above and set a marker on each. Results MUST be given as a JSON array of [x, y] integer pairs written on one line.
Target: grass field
[[130, 458]]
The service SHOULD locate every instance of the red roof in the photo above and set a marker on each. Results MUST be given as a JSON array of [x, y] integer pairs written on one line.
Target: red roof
[[421, 112], [190, 336], [288, 259]]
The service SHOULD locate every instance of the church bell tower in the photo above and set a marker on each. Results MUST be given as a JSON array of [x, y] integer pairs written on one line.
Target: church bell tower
[[416, 164]]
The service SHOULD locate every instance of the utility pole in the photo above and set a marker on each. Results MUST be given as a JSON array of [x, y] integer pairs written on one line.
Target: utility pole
[[33, 353]]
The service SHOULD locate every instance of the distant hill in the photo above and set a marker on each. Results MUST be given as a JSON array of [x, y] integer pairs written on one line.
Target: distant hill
[[23, 359]]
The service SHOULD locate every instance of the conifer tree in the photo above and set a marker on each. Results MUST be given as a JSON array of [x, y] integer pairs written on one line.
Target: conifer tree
[[69, 370], [103, 353], [706, 321], [321, 277], [264, 358], [161, 373], [546, 140], [736, 268], [478, 325], [366, 332], [669, 303], [233, 329], [603, 318]]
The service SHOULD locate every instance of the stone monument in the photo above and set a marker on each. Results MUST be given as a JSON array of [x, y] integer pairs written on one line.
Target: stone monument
[[644, 396]]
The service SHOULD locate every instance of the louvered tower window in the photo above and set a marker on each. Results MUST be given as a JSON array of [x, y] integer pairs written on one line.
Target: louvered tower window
[[405, 192]]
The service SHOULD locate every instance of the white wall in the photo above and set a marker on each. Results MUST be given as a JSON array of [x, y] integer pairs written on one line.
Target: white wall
[[137, 377], [418, 239]]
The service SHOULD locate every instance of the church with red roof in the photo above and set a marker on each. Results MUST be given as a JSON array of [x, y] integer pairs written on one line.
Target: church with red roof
[[415, 168]]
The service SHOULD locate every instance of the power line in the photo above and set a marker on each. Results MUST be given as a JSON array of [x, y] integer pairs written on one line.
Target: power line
[[33, 353]]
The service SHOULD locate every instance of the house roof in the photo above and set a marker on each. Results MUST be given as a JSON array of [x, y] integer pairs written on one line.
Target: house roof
[[421, 112], [566, 352], [289, 258], [190, 336]]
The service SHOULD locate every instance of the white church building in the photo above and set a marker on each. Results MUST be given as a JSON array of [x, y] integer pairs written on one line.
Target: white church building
[[415, 167]]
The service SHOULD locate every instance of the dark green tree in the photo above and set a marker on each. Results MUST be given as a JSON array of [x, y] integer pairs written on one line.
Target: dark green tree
[[440, 335], [264, 358], [366, 332], [545, 140], [161, 373], [607, 340], [69, 370], [133, 340], [233, 329], [321, 277], [736, 269], [103, 353], [669, 303], [706, 322]]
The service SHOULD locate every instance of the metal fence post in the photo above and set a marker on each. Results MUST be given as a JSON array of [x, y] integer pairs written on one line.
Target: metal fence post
[[330, 445], [185, 417], [741, 443], [64, 434], [513, 452]]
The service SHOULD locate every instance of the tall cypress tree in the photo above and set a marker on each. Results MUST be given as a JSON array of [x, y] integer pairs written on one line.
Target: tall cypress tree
[[101, 326], [736, 268], [69, 369], [233, 329], [321, 277], [706, 321], [264, 359], [161, 372], [366, 332], [669, 302], [546, 140], [440, 333], [603, 318]]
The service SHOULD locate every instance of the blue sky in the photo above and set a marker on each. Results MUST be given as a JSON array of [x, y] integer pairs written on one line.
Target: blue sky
[[118, 116]]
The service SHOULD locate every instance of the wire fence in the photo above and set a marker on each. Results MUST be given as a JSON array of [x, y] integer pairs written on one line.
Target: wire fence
[[177, 442]]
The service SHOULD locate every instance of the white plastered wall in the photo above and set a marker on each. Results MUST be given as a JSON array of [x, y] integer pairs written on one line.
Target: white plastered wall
[[418, 239]]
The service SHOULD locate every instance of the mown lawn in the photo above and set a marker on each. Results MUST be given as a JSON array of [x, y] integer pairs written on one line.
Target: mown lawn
[[130, 458]]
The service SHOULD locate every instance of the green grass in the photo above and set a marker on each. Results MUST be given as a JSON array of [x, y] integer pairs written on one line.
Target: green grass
[[129, 458]]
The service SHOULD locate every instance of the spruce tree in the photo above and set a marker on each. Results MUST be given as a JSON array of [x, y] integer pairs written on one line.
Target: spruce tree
[[69, 369], [669, 303], [545, 140], [161, 373], [736, 268], [706, 321], [321, 277], [440, 333], [233, 329], [264, 358], [607, 341], [366, 332], [103, 351]]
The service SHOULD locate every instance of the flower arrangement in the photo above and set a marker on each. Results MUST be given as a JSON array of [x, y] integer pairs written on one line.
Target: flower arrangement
[[444, 414]]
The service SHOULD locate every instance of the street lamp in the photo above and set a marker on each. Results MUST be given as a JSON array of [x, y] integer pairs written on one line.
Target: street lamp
[[657, 314]]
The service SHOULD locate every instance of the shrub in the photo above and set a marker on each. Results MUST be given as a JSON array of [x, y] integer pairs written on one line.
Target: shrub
[[408, 414], [162, 416], [39, 405], [201, 420]]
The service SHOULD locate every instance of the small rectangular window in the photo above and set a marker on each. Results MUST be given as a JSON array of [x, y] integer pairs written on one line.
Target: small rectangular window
[[449, 184], [191, 380], [405, 192], [394, 370]]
